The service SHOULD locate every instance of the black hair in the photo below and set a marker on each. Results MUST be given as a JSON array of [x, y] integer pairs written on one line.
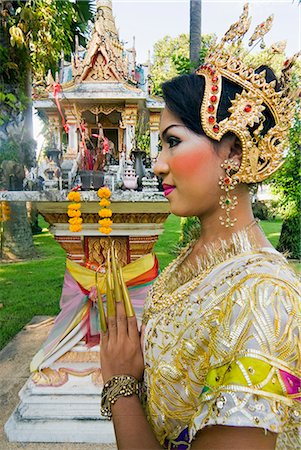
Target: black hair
[[183, 96]]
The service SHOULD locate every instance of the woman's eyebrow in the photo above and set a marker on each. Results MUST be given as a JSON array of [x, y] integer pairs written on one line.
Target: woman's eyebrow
[[163, 135]]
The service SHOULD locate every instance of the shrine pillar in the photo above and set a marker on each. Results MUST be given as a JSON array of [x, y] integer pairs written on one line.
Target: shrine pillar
[[129, 119], [154, 122], [72, 147], [55, 130]]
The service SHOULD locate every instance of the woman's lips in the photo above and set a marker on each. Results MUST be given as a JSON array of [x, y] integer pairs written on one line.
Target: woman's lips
[[167, 188]]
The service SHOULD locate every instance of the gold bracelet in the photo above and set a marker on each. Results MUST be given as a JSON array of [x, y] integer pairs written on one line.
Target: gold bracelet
[[117, 386]]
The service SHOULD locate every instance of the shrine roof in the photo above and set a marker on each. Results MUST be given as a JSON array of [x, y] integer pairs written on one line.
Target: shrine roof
[[155, 103], [101, 90]]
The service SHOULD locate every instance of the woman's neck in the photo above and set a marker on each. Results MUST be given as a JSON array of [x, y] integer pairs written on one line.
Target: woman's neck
[[212, 230]]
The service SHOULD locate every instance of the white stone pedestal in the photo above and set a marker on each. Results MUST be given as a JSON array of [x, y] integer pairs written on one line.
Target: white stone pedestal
[[69, 413]]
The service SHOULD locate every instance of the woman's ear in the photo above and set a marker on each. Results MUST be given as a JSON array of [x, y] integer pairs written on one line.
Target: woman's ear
[[235, 152]]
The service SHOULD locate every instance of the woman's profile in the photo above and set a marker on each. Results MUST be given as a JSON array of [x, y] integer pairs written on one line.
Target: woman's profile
[[219, 364]]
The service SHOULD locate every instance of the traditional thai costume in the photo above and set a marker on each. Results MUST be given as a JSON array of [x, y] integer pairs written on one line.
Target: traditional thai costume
[[222, 343], [223, 347]]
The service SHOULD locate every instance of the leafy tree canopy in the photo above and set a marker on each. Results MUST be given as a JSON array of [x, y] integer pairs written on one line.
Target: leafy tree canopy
[[171, 58], [42, 29]]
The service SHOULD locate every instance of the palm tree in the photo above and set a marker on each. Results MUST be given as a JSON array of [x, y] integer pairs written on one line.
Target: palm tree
[[195, 32]]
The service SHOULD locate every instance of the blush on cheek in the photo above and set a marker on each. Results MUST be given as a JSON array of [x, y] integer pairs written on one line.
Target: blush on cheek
[[190, 162]]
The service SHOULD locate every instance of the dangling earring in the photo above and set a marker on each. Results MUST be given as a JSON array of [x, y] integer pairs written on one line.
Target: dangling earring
[[227, 183]]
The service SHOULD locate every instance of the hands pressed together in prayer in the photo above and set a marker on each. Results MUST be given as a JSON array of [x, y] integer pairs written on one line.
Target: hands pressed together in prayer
[[120, 350]]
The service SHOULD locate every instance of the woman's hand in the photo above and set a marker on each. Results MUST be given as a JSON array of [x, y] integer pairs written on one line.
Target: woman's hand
[[120, 349]]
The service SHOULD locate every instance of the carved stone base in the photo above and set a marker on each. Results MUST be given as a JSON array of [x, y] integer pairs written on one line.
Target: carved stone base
[[62, 407]]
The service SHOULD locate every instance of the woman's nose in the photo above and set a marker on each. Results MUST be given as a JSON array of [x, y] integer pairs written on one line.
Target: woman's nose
[[161, 167]]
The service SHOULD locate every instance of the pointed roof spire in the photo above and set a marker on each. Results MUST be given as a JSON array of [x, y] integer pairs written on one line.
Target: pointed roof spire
[[105, 18], [104, 59]]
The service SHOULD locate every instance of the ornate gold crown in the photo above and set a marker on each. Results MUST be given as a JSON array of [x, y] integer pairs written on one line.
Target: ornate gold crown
[[262, 154]]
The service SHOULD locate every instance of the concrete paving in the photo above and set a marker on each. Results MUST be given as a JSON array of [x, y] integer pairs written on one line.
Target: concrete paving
[[14, 371]]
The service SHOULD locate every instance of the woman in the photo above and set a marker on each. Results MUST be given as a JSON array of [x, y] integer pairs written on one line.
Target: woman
[[221, 347]]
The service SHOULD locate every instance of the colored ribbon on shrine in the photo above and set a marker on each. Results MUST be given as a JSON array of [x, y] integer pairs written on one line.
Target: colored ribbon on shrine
[[105, 149], [78, 319], [56, 89], [88, 157]]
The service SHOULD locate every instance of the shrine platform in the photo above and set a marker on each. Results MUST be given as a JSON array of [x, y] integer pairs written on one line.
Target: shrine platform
[[14, 371]]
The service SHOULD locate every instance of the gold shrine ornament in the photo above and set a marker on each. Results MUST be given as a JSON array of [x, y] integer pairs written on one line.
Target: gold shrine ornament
[[262, 154]]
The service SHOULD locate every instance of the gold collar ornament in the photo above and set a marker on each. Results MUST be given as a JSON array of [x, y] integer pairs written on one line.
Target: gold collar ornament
[[262, 154]]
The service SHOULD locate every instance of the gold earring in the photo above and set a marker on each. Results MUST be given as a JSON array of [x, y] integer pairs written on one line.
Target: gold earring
[[227, 184]]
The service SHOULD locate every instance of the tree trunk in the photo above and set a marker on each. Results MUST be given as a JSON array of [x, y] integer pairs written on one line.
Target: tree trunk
[[17, 236], [195, 32]]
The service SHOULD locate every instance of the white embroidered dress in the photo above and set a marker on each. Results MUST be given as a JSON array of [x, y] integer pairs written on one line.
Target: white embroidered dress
[[225, 348]]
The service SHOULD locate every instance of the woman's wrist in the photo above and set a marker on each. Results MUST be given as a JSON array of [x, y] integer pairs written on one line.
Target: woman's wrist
[[116, 387]]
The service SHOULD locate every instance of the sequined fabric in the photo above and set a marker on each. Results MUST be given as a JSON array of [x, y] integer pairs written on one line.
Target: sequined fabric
[[227, 351]]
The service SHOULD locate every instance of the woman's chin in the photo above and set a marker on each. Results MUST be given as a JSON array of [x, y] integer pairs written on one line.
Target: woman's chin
[[179, 211]]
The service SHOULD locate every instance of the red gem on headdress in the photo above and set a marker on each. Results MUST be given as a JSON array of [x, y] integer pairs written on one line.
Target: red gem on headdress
[[286, 62], [215, 128], [227, 180], [262, 25], [210, 108], [213, 98], [214, 89], [248, 108], [214, 79], [211, 119]]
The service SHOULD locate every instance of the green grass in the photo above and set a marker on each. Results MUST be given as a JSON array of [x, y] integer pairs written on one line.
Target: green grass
[[34, 287], [31, 288], [272, 230]]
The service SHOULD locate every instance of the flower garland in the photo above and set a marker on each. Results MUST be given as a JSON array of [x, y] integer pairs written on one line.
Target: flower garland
[[4, 211], [73, 212], [105, 213]]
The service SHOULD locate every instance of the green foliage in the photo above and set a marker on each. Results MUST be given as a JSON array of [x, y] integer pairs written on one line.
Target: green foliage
[[32, 35], [171, 58], [182, 64], [9, 150], [166, 246], [287, 184], [142, 133], [190, 230], [262, 211], [45, 28], [290, 238], [18, 147]]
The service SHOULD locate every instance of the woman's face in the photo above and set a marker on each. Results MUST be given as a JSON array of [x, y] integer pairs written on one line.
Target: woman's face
[[190, 167]]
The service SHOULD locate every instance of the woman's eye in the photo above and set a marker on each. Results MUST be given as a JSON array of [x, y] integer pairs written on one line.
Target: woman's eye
[[173, 141]]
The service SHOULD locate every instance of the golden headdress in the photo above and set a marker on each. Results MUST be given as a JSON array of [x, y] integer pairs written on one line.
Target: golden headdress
[[262, 154]]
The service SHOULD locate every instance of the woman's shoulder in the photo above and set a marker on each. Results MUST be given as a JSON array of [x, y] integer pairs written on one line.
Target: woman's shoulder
[[252, 279], [269, 265]]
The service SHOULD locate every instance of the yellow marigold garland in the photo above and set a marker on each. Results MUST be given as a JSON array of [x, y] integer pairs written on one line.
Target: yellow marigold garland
[[4, 211], [105, 213], [75, 221]]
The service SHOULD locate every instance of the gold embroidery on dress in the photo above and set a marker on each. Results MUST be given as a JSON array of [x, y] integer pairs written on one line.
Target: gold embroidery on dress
[[240, 303]]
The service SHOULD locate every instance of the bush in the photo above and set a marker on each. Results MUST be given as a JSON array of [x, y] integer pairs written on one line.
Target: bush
[[290, 237], [190, 230], [260, 210], [267, 210]]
